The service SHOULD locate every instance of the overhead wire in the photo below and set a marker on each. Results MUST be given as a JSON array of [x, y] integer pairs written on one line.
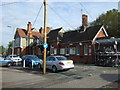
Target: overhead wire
[[86, 10], [37, 14], [61, 17], [8, 3]]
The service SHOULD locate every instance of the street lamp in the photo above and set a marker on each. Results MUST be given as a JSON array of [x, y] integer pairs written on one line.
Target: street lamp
[[115, 46], [12, 41]]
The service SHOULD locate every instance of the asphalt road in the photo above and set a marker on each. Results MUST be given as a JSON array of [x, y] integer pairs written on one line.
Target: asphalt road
[[18, 77]]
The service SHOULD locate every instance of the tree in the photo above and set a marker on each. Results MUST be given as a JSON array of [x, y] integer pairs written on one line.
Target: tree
[[2, 50], [110, 21], [10, 45]]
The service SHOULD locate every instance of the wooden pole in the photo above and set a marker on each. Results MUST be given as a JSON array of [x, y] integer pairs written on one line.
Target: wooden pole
[[45, 41]]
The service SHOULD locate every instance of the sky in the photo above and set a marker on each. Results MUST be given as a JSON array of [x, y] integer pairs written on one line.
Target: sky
[[59, 14]]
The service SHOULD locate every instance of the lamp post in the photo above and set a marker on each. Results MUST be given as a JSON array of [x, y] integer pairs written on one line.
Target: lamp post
[[116, 62], [12, 41]]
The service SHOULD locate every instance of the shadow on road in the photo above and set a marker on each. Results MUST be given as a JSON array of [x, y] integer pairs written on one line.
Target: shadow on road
[[34, 70], [110, 77]]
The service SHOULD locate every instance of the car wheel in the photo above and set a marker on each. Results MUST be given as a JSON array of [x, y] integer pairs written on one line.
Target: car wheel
[[54, 69], [30, 65], [39, 66], [9, 64]]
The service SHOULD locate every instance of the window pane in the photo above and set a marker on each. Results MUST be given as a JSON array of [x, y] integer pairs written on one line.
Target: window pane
[[90, 50], [62, 51], [86, 49], [55, 51], [72, 50], [67, 50], [78, 50], [51, 49]]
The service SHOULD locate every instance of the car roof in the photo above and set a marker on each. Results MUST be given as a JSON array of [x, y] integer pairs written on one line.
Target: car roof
[[11, 55], [29, 55], [56, 56]]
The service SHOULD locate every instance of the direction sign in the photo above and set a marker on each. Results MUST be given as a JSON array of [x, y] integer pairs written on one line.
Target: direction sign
[[45, 45]]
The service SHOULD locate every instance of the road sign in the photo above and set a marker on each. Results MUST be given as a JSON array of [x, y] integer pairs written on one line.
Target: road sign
[[45, 45]]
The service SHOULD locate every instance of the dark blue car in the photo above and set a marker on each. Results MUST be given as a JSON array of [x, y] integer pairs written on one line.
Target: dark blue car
[[31, 60]]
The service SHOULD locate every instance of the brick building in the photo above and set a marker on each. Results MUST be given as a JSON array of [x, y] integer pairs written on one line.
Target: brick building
[[29, 41], [77, 45]]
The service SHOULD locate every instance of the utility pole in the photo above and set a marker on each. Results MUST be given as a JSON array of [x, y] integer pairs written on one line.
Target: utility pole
[[45, 40]]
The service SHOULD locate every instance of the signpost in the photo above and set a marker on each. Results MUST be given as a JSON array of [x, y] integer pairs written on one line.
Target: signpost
[[45, 45]]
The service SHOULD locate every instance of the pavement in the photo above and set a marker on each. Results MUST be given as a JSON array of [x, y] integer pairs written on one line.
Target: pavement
[[83, 76]]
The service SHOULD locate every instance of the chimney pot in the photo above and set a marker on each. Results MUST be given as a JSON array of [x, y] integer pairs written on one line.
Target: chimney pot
[[29, 27], [84, 21]]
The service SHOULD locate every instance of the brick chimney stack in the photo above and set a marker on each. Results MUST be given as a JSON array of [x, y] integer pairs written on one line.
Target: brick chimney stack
[[41, 30], [29, 31], [84, 21]]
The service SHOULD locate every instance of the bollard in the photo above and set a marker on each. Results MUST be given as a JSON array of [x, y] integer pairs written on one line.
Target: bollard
[[16, 63], [24, 63], [32, 64]]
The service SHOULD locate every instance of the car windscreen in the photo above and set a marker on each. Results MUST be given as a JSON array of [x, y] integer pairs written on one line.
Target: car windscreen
[[1, 58], [33, 57], [61, 58], [13, 56]]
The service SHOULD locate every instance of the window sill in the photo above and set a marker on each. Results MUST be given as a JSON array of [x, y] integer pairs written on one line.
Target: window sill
[[67, 54]]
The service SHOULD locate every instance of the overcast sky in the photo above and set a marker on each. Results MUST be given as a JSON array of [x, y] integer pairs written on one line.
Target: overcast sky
[[17, 15]]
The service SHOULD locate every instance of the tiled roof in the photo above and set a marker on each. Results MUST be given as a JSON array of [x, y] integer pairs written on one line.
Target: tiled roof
[[77, 36], [23, 33]]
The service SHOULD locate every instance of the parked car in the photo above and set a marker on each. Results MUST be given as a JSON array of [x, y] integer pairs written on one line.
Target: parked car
[[15, 58], [4, 62], [56, 63], [31, 58]]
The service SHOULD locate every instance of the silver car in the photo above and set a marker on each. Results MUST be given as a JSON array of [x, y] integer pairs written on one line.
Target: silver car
[[4, 62], [56, 63]]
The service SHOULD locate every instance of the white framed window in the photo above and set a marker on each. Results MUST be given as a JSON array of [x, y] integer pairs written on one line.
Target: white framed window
[[62, 51], [52, 50], [90, 50], [55, 50], [17, 42], [86, 49], [67, 50], [72, 50], [18, 51], [77, 50]]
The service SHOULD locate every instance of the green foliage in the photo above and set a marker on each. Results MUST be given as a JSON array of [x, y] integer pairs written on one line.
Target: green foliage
[[10, 45], [111, 22], [2, 50]]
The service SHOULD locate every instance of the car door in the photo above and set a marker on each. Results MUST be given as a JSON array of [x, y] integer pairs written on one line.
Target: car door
[[48, 62], [26, 60], [51, 62]]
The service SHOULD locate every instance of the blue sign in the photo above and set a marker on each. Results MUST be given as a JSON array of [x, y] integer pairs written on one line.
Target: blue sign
[[45, 45]]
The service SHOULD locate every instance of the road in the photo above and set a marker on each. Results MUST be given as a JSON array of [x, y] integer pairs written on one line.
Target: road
[[18, 77]]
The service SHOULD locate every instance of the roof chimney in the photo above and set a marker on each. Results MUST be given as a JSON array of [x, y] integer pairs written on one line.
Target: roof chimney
[[41, 30], [29, 27], [84, 21]]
